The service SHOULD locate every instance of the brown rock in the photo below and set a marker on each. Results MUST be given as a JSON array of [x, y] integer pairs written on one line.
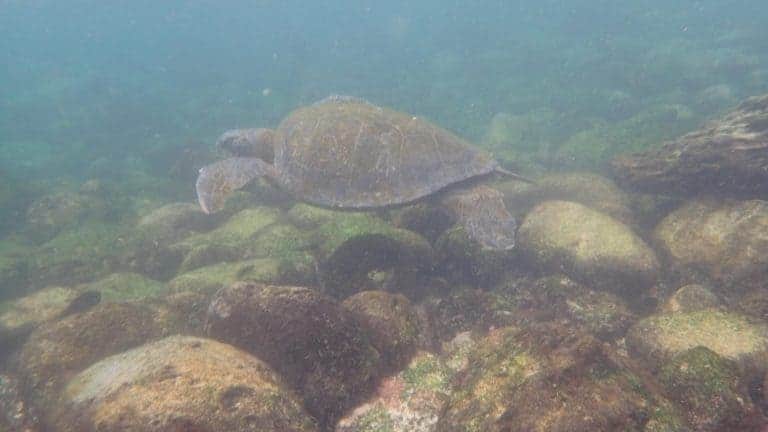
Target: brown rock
[[180, 383], [316, 345], [393, 321], [725, 241], [729, 154]]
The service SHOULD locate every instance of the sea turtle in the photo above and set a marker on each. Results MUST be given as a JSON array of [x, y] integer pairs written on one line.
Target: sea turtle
[[346, 153]]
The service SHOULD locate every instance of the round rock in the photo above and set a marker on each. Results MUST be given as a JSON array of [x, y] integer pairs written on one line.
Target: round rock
[[588, 246], [180, 383], [320, 348]]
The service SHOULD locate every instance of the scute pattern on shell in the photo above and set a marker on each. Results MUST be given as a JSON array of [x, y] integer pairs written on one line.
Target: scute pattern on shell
[[345, 152]]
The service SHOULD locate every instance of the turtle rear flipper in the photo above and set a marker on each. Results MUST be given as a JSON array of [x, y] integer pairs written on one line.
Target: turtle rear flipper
[[485, 218], [217, 181]]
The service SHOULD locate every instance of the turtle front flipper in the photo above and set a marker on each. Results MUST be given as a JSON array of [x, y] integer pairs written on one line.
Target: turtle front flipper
[[217, 181], [485, 218]]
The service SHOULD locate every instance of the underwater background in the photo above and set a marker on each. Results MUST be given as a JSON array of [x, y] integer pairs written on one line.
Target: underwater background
[[108, 110]]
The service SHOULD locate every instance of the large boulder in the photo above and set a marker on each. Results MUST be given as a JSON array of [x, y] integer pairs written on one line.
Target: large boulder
[[175, 221], [409, 401], [550, 378], [589, 246], [53, 213], [729, 154], [723, 241], [658, 338], [320, 348], [592, 190], [393, 323], [59, 349], [352, 247], [298, 270], [712, 391], [180, 383]]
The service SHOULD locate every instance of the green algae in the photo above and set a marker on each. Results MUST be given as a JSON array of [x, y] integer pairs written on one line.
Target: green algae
[[78, 255], [426, 373], [297, 269], [375, 420], [709, 386], [332, 234], [236, 232], [126, 286]]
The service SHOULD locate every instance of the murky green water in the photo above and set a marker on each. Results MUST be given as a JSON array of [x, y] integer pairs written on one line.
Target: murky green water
[[623, 269]]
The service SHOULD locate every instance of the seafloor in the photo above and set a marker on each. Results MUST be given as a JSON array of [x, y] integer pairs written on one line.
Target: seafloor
[[620, 309]]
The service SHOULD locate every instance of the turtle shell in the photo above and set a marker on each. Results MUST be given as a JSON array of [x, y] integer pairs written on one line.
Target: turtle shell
[[348, 153]]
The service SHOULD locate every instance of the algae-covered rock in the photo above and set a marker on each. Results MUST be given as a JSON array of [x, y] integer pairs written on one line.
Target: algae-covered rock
[[15, 413], [599, 313], [592, 190], [175, 221], [19, 317], [14, 269], [690, 298], [79, 255], [462, 259], [658, 338], [710, 389], [724, 155], [309, 217], [58, 349], [119, 287], [352, 245], [228, 242], [316, 345], [588, 246], [53, 213], [180, 383], [428, 220], [726, 241], [549, 378], [295, 270], [393, 321], [407, 402], [36, 308], [755, 303]]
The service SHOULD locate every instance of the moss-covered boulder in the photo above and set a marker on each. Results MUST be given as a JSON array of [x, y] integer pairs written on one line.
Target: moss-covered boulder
[[658, 338], [119, 287], [228, 242], [755, 303], [15, 413], [464, 260], [318, 346], [428, 220], [53, 213], [550, 378], [180, 383], [723, 241], [393, 323], [690, 298], [560, 299], [19, 317], [175, 221], [592, 190], [299, 270], [711, 391], [407, 402], [82, 254], [589, 246], [351, 246], [309, 217], [58, 349], [14, 269]]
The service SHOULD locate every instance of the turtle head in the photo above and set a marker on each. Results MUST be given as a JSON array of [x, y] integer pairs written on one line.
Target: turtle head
[[256, 143]]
